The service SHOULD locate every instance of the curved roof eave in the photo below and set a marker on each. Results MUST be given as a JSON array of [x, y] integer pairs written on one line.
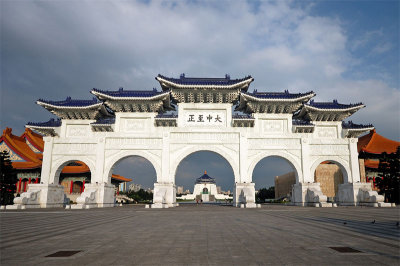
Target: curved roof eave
[[182, 86], [51, 106], [352, 108], [104, 96], [305, 97]]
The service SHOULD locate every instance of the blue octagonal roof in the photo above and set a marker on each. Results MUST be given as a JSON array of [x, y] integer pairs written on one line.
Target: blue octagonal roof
[[205, 179]]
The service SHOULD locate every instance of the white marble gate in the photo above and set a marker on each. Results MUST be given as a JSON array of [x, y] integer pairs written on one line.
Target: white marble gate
[[118, 124]]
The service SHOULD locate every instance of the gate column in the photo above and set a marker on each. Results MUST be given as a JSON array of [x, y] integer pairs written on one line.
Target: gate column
[[244, 191], [164, 194], [100, 192]]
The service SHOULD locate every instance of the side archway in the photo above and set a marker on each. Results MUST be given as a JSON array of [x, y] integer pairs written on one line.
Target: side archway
[[343, 165], [190, 150], [57, 168], [154, 160], [293, 161]]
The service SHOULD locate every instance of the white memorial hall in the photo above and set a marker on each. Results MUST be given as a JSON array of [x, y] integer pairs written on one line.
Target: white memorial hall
[[189, 115]]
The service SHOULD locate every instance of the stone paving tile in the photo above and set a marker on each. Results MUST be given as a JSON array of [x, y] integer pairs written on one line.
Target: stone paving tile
[[201, 235]]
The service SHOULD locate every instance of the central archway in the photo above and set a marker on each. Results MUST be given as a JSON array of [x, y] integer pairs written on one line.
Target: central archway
[[204, 176], [230, 156]]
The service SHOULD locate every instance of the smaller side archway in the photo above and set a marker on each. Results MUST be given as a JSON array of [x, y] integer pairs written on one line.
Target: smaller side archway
[[73, 175], [330, 174], [110, 166], [78, 163], [274, 175], [293, 161], [342, 164]]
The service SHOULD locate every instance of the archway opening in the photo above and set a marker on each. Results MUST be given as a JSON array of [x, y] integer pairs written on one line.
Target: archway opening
[[133, 178], [274, 177], [330, 175], [204, 176], [73, 175]]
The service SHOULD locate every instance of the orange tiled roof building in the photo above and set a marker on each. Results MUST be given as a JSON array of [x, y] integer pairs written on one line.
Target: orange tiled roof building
[[370, 149], [26, 154]]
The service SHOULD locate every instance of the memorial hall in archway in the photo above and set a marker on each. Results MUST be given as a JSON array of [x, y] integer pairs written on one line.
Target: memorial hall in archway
[[189, 115]]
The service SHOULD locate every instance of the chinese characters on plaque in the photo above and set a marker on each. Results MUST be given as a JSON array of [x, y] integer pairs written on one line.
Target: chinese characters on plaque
[[205, 118]]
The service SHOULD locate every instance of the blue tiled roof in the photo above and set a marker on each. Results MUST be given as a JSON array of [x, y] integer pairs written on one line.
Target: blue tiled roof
[[51, 123], [332, 105], [297, 122], [243, 116], [205, 178], [68, 102], [204, 81], [167, 116], [351, 125], [278, 95], [105, 121], [130, 93]]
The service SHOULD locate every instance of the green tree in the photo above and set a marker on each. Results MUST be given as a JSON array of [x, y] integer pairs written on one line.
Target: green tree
[[8, 179], [388, 180], [265, 193], [140, 195]]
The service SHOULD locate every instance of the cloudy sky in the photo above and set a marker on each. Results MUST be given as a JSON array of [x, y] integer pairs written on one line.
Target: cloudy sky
[[344, 50]]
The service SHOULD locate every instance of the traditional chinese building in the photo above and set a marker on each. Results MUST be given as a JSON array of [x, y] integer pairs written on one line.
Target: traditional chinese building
[[205, 190], [371, 148]]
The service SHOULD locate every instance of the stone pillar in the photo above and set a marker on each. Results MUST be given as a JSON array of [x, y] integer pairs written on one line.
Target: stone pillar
[[45, 177], [308, 177], [243, 163], [98, 174], [244, 195], [164, 195], [354, 166]]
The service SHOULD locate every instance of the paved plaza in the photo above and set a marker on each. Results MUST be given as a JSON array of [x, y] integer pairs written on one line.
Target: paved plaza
[[201, 235]]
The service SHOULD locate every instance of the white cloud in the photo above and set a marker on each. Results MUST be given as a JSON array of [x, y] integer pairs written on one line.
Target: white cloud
[[53, 49]]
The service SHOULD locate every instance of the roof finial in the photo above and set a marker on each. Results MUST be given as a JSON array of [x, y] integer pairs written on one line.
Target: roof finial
[[205, 172]]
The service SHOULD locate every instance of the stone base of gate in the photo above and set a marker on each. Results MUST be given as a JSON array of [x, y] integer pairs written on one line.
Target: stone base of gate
[[40, 196], [244, 196], [96, 196], [360, 194], [164, 195], [309, 194]]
